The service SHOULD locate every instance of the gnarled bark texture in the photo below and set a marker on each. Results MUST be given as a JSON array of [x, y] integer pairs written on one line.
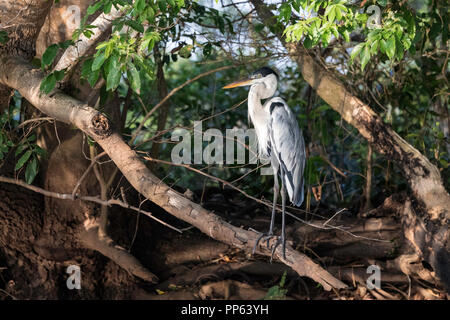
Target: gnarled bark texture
[[22, 20]]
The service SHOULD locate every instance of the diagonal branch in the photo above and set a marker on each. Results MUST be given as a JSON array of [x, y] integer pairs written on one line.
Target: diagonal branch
[[73, 53], [18, 74]]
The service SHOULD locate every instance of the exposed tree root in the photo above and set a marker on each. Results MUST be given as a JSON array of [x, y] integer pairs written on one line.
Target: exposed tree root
[[190, 277], [90, 239], [230, 290]]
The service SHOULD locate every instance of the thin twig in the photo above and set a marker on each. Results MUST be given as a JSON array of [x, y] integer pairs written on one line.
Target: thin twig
[[66, 196], [171, 93]]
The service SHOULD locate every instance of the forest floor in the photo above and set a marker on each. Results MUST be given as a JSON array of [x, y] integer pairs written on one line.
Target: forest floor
[[191, 265]]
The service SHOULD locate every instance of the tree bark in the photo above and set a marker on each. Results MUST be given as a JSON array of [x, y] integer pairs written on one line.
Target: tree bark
[[22, 20], [423, 177]]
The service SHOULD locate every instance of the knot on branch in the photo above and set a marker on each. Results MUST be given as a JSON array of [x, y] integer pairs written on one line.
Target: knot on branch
[[101, 125]]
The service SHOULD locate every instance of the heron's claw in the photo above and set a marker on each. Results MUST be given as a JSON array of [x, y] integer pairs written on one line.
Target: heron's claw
[[265, 237], [281, 240]]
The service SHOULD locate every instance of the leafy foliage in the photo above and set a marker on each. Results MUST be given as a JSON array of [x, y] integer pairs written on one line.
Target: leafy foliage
[[394, 36], [277, 292], [3, 36]]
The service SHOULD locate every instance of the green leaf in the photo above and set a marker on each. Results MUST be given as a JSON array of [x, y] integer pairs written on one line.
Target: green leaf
[[390, 47], [86, 69], [20, 149], [136, 26], [150, 13], [374, 47], [332, 14], [365, 57], [357, 49], [31, 171], [39, 151], [308, 43], [59, 74], [134, 78], [338, 13], [49, 55], [285, 12], [383, 45], [400, 49], [48, 83], [113, 78], [346, 35], [92, 8], [107, 8], [98, 61], [3, 37], [93, 77], [139, 5], [24, 158], [162, 5], [65, 44]]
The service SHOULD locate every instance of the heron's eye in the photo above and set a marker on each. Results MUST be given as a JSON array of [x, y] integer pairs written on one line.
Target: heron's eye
[[256, 76]]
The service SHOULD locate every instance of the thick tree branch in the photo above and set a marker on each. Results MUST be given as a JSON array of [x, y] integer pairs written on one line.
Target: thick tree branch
[[72, 54], [90, 239], [19, 75]]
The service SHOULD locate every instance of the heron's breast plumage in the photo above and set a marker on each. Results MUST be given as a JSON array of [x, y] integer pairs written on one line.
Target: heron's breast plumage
[[260, 119]]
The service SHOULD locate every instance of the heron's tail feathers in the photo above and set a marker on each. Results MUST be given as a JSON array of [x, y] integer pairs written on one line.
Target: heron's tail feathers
[[297, 196]]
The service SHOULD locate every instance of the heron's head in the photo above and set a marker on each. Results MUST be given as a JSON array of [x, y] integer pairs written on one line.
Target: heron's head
[[264, 80]]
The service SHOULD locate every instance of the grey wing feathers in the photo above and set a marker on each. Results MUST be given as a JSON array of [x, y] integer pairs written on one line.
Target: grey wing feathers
[[288, 145]]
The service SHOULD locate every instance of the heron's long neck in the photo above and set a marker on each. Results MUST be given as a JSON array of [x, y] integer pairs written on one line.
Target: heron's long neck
[[254, 101]]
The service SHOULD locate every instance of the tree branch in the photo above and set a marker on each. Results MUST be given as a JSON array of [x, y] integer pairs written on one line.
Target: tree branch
[[73, 53]]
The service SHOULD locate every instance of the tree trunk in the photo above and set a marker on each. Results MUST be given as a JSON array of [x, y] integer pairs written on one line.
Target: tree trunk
[[22, 20]]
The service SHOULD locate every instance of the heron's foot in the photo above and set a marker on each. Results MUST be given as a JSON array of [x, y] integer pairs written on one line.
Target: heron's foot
[[281, 240], [264, 236]]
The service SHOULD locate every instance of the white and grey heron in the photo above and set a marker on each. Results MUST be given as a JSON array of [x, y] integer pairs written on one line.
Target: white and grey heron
[[279, 139]]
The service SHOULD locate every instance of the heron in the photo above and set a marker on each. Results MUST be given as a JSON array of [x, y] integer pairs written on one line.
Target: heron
[[280, 140]]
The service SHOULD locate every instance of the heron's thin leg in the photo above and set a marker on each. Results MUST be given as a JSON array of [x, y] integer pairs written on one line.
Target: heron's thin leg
[[283, 215], [276, 190], [282, 239]]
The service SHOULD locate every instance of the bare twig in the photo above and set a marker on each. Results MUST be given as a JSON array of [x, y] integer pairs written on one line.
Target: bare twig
[[171, 93], [66, 196]]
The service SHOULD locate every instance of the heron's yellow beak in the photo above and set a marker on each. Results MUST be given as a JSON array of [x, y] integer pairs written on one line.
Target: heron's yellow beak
[[240, 83]]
